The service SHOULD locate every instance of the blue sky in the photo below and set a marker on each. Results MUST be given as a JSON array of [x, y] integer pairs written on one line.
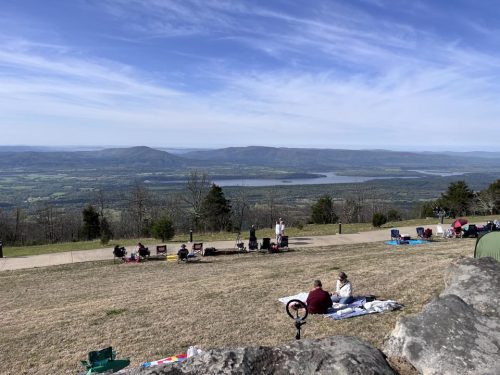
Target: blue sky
[[415, 75]]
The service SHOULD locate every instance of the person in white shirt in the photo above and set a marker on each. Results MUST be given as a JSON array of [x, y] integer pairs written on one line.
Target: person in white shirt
[[343, 291], [277, 231], [282, 227]]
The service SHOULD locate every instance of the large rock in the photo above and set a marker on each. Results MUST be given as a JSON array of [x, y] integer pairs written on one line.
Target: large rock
[[448, 337], [477, 282], [333, 355]]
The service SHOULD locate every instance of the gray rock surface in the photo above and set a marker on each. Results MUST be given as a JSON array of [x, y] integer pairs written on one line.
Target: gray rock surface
[[477, 282], [333, 355], [448, 337]]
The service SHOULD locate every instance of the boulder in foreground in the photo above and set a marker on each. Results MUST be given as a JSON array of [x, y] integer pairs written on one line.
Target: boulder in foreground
[[333, 355], [477, 282], [448, 337]]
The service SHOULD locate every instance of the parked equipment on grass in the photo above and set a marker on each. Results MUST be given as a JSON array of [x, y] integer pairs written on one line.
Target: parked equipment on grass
[[488, 245], [293, 308], [103, 361]]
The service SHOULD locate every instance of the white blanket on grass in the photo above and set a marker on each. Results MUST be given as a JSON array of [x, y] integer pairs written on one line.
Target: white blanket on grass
[[301, 297], [340, 310]]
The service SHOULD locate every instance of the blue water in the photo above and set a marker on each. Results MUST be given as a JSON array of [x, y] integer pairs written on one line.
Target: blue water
[[330, 178], [410, 242]]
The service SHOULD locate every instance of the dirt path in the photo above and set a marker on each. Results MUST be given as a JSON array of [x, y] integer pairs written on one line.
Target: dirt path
[[53, 259]]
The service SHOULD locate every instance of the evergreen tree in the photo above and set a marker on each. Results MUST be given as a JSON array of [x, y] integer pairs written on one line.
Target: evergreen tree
[[216, 210], [163, 228], [378, 219], [106, 233], [322, 211], [91, 224], [457, 198], [393, 215]]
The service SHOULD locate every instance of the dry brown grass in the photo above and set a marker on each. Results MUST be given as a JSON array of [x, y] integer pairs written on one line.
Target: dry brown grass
[[50, 318]]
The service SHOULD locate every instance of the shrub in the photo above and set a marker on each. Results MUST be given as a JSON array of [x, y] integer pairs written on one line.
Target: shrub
[[393, 215], [163, 229], [378, 219]]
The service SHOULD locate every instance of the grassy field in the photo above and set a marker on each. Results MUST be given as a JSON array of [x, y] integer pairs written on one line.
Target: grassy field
[[51, 317], [307, 230]]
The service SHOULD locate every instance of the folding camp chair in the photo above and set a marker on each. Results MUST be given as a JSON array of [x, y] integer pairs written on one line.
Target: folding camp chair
[[439, 230], [101, 361], [253, 245], [197, 248], [395, 234], [161, 250], [284, 242], [420, 232], [471, 231], [266, 244], [119, 252], [144, 253]]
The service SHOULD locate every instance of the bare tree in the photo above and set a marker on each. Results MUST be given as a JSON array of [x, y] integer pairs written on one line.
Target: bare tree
[[138, 208], [197, 187], [271, 199], [486, 201], [19, 226], [5, 227], [349, 211], [46, 218], [100, 202], [240, 207]]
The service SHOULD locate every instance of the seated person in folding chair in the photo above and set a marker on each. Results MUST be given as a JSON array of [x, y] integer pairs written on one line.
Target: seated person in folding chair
[[343, 291], [183, 253], [142, 250]]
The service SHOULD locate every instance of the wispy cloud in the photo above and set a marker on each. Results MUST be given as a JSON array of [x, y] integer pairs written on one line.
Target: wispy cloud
[[338, 75]]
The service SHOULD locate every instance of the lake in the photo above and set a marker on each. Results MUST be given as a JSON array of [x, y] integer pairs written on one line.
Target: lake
[[330, 178]]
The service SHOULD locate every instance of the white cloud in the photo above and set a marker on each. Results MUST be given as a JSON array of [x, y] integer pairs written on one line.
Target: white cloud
[[373, 83]]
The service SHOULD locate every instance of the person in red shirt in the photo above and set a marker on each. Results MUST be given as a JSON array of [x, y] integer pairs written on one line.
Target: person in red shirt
[[319, 300]]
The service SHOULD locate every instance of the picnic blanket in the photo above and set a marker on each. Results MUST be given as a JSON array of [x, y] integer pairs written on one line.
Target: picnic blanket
[[174, 358], [357, 308]]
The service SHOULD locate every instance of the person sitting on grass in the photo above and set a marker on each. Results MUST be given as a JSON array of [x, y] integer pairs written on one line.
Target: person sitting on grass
[[343, 291], [318, 301], [183, 253]]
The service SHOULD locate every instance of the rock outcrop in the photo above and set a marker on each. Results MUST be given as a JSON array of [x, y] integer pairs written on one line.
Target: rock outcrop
[[458, 332], [333, 355], [448, 337], [477, 282]]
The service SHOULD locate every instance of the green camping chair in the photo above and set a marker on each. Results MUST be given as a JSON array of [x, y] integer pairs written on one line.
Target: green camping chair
[[104, 361], [488, 245]]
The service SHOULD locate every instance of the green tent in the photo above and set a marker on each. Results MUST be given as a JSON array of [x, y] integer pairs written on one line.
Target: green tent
[[488, 245]]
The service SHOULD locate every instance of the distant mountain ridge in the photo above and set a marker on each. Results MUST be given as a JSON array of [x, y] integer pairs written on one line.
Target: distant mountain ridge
[[303, 159], [332, 159], [133, 157]]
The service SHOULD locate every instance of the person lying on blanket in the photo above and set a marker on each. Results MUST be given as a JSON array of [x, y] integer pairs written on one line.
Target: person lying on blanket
[[318, 301], [343, 292]]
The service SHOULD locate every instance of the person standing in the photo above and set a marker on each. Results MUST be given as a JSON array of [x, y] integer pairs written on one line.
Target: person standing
[[282, 227], [252, 237], [277, 231]]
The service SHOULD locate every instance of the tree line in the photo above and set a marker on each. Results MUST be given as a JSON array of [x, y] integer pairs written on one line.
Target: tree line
[[203, 207]]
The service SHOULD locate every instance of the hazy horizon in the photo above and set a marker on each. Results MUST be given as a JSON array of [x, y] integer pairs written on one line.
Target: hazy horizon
[[382, 74], [345, 147]]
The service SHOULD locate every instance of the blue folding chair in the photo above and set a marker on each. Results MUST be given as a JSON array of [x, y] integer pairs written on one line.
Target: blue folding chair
[[420, 232], [395, 234]]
